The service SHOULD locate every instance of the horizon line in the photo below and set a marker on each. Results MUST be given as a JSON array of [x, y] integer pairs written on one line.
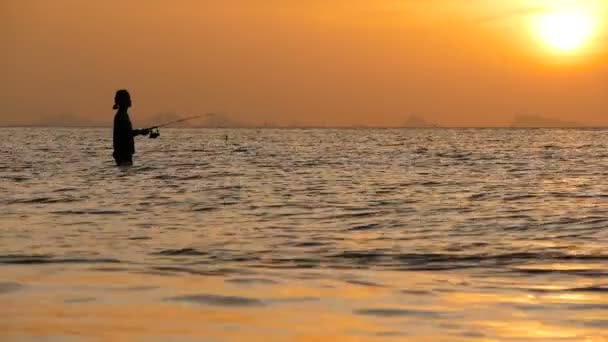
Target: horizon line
[[319, 127]]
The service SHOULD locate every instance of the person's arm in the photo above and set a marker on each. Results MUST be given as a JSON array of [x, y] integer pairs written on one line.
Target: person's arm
[[137, 132]]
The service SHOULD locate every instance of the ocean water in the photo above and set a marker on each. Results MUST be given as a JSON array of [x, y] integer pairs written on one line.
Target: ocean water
[[305, 235]]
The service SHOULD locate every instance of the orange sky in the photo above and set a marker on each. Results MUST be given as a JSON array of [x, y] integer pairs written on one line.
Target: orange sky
[[306, 62]]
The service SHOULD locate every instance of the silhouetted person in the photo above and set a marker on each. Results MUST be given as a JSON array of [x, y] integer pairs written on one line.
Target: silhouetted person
[[124, 144]]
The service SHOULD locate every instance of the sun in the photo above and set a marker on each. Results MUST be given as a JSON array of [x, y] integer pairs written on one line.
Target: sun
[[567, 30]]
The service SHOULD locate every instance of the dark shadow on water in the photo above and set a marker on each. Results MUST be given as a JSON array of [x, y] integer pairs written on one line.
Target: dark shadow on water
[[392, 334], [293, 300], [183, 251], [251, 281], [9, 287], [597, 324], [363, 283], [215, 300], [45, 259], [90, 212], [176, 270], [80, 300], [587, 307], [397, 313], [108, 269], [417, 292], [310, 244], [364, 227], [135, 238], [473, 334], [46, 200], [140, 288], [591, 289]]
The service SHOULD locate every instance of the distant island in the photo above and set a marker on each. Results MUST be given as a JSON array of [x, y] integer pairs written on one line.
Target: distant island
[[418, 122], [218, 120], [211, 120], [537, 121]]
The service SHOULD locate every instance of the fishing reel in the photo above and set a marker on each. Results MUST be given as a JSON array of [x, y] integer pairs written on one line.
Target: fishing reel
[[154, 133]]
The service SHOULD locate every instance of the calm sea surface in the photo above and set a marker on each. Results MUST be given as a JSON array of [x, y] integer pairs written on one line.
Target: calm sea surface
[[305, 235]]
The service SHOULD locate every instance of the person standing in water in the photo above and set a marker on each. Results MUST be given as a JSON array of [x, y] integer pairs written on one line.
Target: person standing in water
[[124, 144]]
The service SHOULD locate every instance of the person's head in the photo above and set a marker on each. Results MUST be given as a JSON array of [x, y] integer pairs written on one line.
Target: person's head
[[122, 99]]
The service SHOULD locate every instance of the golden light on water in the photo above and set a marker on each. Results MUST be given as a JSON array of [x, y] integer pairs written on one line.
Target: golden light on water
[[568, 29]]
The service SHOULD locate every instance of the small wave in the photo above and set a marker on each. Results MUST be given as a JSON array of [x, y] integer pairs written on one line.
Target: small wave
[[310, 244], [455, 155], [587, 307], [9, 287], [204, 209], [173, 270], [595, 220], [417, 292], [65, 190], [518, 197], [479, 197], [193, 177], [135, 238], [398, 313], [597, 324], [109, 269], [33, 259], [89, 212], [592, 289], [80, 300], [361, 227], [361, 214], [578, 272], [45, 200], [363, 283], [429, 183], [215, 300], [251, 281], [137, 288], [177, 252], [391, 334], [449, 261], [17, 179], [359, 255], [292, 300]]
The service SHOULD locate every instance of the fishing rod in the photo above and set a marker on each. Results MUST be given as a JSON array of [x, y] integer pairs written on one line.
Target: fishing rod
[[155, 133]]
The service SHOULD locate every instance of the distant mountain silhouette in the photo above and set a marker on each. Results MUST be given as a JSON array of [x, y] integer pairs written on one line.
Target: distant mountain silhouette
[[158, 119], [267, 124], [218, 120], [536, 121], [418, 122], [213, 120]]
